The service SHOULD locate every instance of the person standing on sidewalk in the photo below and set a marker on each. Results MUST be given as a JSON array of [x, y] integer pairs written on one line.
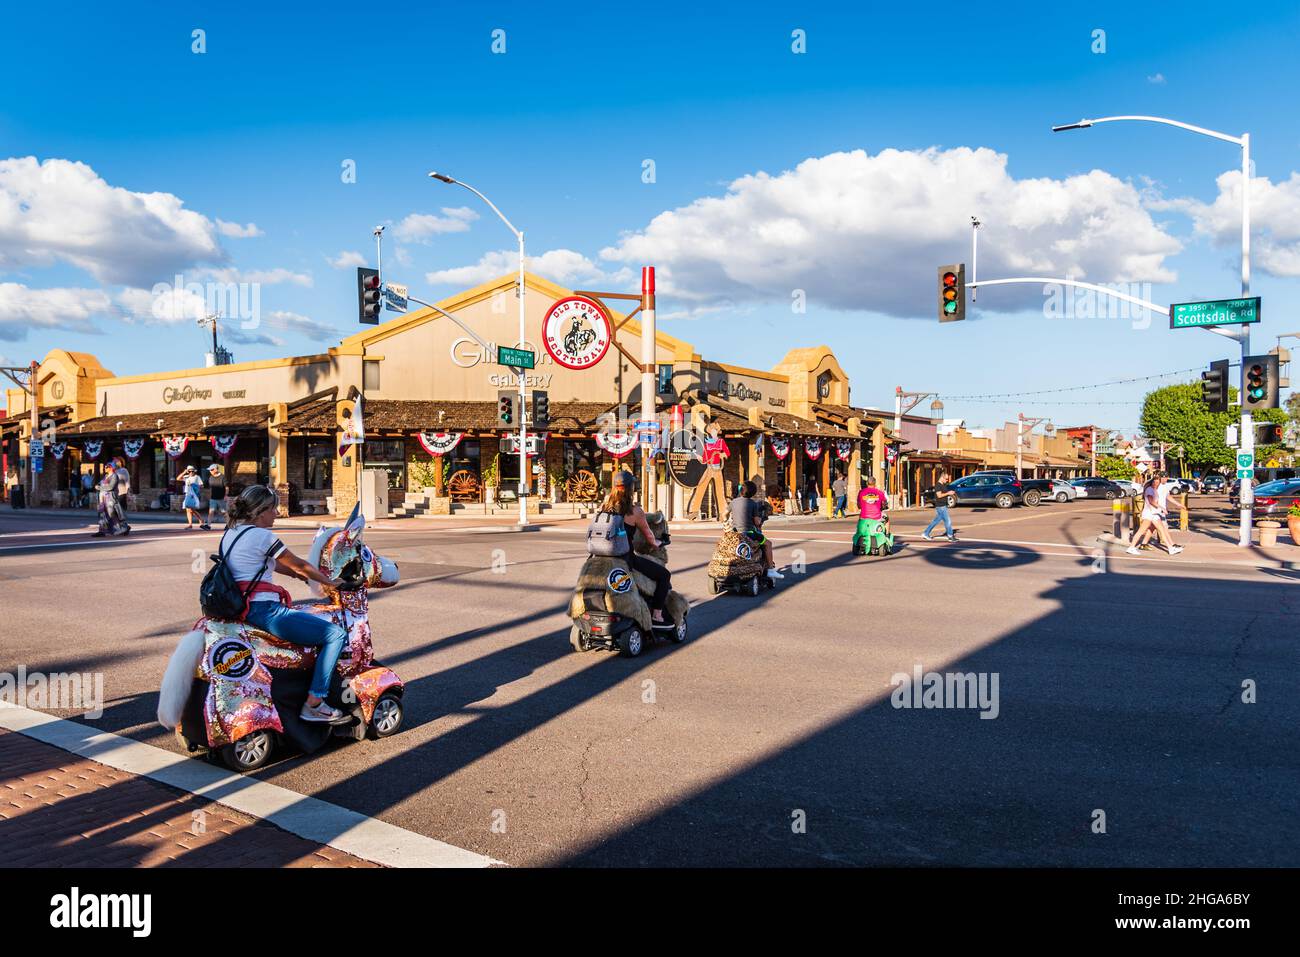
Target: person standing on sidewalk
[[123, 483], [1155, 511], [840, 489], [192, 484], [941, 492], [216, 495]]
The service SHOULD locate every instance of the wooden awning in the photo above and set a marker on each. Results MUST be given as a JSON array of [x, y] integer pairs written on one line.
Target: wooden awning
[[237, 418]]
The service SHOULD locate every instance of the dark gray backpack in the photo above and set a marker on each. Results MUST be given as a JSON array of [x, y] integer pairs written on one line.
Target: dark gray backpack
[[607, 536]]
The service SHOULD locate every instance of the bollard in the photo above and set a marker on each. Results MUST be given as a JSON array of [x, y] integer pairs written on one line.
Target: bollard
[[1117, 509], [1184, 518]]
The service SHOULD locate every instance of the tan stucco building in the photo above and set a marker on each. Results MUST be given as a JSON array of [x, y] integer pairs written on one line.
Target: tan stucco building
[[421, 373]]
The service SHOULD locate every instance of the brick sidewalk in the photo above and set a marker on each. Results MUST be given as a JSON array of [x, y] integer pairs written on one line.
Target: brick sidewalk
[[60, 810]]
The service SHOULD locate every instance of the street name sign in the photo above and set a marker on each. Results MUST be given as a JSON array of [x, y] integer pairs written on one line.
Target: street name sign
[[519, 358], [1216, 312]]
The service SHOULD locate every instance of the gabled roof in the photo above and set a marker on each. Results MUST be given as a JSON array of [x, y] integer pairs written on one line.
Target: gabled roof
[[486, 290]]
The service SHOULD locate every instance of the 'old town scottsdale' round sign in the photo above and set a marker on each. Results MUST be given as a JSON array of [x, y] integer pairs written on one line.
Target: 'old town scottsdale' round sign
[[576, 332]]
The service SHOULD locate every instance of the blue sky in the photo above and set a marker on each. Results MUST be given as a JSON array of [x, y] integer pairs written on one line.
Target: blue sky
[[556, 131]]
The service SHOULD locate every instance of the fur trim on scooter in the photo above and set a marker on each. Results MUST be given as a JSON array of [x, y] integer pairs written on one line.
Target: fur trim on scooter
[[729, 557], [178, 679]]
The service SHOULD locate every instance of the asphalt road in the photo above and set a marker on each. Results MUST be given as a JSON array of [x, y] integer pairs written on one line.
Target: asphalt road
[[769, 738]]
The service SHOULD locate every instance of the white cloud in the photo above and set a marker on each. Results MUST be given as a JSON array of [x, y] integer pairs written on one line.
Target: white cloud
[[1274, 219], [346, 259], [1158, 79], [236, 231], [559, 265], [265, 277], [301, 325], [69, 310], [61, 211], [863, 232], [418, 227]]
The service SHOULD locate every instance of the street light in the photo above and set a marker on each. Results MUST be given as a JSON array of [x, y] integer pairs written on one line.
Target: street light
[[1243, 334], [523, 399], [1021, 422]]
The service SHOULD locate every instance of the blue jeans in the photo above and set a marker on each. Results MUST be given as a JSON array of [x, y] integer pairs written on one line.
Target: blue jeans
[[302, 628], [940, 515], [841, 503]]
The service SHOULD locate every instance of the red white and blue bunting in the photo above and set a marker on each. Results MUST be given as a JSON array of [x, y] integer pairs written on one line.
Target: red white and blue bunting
[[780, 445], [58, 449], [132, 447], [173, 445], [224, 443], [813, 447], [843, 449], [439, 443], [92, 448], [617, 444]]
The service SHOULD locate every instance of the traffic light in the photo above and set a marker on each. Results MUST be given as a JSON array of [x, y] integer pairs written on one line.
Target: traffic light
[[541, 411], [952, 292], [1214, 386], [506, 408], [1269, 433], [1259, 382], [370, 299]]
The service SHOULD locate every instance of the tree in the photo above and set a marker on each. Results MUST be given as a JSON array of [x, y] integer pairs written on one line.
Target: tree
[[1114, 467], [1176, 415]]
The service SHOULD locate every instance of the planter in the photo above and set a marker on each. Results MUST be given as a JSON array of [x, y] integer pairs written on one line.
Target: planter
[[439, 505], [1293, 526], [1268, 533]]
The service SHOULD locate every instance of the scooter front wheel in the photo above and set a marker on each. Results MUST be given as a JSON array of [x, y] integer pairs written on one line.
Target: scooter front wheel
[[387, 718]]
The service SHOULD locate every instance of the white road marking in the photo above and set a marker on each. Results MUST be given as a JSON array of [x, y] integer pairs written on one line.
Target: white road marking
[[365, 837]]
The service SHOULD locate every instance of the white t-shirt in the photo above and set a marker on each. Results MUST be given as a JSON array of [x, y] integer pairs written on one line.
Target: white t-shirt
[[246, 557], [1162, 494]]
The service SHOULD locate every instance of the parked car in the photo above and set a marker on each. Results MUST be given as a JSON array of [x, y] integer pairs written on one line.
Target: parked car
[[1063, 491], [1094, 487], [1033, 491], [1182, 486], [986, 488], [1129, 486], [1213, 484], [1272, 499]]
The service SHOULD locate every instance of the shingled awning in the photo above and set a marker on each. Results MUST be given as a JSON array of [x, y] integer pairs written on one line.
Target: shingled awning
[[396, 415], [237, 418], [783, 423]]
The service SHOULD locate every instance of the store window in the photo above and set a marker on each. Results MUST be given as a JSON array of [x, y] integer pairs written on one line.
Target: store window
[[665, 386], [389, 455], [159, 473], [318, 469], [370, 375]]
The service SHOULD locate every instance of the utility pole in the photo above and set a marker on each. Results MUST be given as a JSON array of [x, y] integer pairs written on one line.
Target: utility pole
[[649, 388], [1021, 423]]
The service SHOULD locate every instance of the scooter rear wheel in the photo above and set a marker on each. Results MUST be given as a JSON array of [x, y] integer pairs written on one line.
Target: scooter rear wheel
[[250, 752], [752, 586], [631, 642], [576, 640]]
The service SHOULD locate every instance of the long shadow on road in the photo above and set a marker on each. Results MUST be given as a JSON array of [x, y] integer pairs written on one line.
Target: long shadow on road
[[1126, 701]]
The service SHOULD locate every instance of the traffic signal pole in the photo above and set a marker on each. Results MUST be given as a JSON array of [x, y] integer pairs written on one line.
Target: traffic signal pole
[[649, 387]]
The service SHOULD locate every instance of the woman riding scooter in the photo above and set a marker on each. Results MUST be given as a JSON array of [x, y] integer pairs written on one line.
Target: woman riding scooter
[[619, 502], [251, 550]]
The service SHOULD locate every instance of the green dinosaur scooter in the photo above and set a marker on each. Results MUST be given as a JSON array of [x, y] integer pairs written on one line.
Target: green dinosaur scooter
[[873, 537]]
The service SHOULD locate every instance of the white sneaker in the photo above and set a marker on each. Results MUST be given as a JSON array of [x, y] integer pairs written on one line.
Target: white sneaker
[[926, 536], [1175, 549], [774, 574], [1133, 550]]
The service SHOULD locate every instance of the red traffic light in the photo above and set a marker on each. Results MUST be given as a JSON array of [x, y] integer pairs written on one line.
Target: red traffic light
[[371, 282], [950, 279]]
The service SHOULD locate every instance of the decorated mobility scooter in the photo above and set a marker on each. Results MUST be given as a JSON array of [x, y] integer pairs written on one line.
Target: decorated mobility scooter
[[234, 691], [610, 607]]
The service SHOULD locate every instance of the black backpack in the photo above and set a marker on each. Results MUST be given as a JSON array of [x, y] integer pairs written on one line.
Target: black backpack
[[220, 596]]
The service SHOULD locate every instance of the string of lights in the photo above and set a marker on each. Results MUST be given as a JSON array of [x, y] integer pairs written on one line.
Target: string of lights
[[1070, 388]]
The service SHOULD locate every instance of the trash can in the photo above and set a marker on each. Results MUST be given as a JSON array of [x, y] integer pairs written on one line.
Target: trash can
[[17, 497]]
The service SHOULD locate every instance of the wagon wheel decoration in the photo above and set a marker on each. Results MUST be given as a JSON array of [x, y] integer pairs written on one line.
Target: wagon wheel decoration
[[582, 487], [463, 486], [777, 504]]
